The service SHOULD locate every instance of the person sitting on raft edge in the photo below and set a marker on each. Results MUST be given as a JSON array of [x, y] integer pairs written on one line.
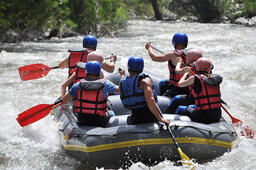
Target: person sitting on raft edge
[[137, 94], [206, 94], [91, 97], [180, 42]]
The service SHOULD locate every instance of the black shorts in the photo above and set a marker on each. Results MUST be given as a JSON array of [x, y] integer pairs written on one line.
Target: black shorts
[[92, 120], [141, 115]]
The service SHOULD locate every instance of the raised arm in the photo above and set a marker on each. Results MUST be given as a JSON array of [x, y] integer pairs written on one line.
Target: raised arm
[[162, 57]]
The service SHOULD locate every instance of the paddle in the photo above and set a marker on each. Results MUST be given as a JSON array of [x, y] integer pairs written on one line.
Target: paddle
[[36, 113], [236, 122], [246, 131], [185, 159], [34, 71]]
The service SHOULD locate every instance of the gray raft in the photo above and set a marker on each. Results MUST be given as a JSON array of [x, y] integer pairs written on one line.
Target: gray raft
[[120, 145]]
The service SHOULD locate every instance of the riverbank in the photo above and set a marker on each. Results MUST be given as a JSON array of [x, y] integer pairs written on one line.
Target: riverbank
[[15, 37]]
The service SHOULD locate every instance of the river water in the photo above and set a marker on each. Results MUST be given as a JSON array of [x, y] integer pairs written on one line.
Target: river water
[[231, 48]]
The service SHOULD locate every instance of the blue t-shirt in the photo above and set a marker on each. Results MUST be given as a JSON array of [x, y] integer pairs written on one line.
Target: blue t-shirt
[[109, 87]]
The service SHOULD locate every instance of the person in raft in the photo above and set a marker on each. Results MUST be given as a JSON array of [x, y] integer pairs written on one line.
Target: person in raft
[[185, 99], [80, 73], [180, 42], [205, 91], [80, 55], [137, 94], [91, 97]]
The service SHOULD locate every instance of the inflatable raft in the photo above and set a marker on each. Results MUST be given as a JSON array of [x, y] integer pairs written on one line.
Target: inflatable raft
[[120, 145]]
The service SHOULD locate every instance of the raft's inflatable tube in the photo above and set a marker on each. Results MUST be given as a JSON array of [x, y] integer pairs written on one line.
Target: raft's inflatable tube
[[120, 145]]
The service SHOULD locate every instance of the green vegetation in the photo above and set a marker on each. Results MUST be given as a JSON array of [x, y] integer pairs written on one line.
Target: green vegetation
[[101, 17]]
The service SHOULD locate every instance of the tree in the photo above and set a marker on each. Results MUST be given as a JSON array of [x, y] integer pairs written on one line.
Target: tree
[[158, 13]]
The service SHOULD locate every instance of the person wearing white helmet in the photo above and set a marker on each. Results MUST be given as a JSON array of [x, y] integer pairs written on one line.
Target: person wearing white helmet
[[205, 91], [79, 71]]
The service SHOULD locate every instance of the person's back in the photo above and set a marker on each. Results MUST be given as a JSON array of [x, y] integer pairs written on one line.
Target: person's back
[[137, 94], [79, 54], [91, 96], [79, 73], [179, 41], [206, 93]]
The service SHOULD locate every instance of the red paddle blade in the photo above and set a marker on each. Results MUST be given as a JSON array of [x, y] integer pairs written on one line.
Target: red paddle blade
[[34, 114], [245, 130], [33, 71]]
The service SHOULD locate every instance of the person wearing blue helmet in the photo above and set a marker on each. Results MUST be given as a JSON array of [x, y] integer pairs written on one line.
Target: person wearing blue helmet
[[90, 96], [170, 87], [90, 41], [80, 55], [137, 94]]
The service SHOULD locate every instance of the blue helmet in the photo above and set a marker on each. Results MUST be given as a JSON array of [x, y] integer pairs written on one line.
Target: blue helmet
[[90, 41], [93, 67], [180, 38], [136, 63]]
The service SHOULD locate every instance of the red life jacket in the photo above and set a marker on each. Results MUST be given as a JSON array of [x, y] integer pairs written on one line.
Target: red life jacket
[[76, 55], [90, 98], [209, 97], [175, 78], [80, 72]]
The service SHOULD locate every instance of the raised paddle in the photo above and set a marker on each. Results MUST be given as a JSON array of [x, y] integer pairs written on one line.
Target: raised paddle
[[246, 131], [185, 159], [34, 71], [36, 113]]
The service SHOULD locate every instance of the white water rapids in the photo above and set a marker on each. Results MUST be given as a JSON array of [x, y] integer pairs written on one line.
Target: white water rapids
[[231, 48]]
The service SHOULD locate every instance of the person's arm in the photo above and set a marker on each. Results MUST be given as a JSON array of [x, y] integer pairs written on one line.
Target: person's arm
[[72, 93], [186, 82], [67, 98], [180, 70], [109, 66], [122, 73], [117, 90], [146, 85], [64, 63], [67, 83], [162, 57], [101, 74]]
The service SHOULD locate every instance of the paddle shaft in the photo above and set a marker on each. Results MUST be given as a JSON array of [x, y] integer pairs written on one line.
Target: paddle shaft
[[55, 67], [157, 50], [173, 138]]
